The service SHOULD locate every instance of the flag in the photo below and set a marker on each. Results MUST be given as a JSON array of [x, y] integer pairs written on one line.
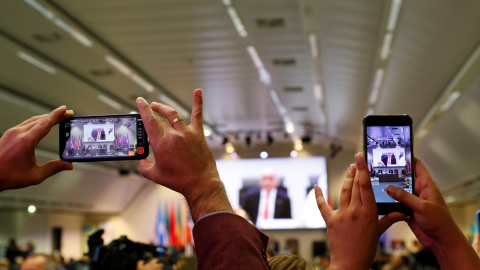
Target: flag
[[173, 225], [160, 229]]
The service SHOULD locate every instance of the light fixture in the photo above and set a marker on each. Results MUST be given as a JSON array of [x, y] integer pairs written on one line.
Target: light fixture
[[207, 131], [229, 148], [298, 146], [278, 104], [31, 209], [289, 126], [248, 140], [110, 102], [34, 61], [142, 82], [78, 36], [237, 22], [376, 86], [451, 99], [118, 65], [386, 46], [318, 92], [264, 154], [312, 41], [393, 15], [293, 153], [234, 155], [21, 102], [74, 33], [270, 139]]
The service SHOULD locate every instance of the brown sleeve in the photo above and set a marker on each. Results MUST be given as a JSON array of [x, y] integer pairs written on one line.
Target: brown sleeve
[[228, 241]]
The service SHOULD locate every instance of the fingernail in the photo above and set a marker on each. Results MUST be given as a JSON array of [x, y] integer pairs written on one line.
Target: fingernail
[[352, 168], [359, 157], [316, 187], [201, 91], [389, 189], [141, 100], [69, 111]]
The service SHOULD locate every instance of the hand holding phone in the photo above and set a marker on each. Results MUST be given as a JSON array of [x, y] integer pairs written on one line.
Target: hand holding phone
[[103, 138], [388, 146]]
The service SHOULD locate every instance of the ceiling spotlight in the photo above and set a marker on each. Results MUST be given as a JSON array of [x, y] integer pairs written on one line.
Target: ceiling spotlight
[[31, 209], [234, 155], [229, 148], [248, 140], [225, 140], [264, 154], [307, 139], [294, 153], [270, 138]]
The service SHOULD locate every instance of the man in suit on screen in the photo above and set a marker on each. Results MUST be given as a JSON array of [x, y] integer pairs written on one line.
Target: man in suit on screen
[[389, 159], [268, 201]]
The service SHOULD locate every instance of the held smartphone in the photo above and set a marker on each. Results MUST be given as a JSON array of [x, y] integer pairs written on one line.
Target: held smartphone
[[103, 138], [388, 147]]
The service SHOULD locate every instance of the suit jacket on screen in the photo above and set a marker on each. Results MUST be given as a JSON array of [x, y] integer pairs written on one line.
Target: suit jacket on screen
[[282, 204]]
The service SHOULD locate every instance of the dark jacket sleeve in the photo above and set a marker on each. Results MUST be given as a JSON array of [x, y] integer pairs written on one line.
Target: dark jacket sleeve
[[228, 241]]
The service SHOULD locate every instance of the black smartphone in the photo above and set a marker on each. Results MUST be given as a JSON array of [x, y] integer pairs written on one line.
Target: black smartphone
[[103, 138], [388, 147]]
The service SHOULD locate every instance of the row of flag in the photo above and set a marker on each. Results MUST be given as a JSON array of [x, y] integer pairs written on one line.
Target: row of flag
[[76, 141], [121, 140], [173, 225]]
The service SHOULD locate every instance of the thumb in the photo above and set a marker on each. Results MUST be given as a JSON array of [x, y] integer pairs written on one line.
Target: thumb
[[140, 264], [53, 167], [385, 222], [404, 197]]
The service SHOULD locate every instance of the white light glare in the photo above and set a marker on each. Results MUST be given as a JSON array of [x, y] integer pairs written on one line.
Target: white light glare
[[74, 33], [264, 154], [312, 40], [232, 12], [293, 154], [393, 16], [142, 83], [451, 99], [289, 127], [229, 148], [318, 92], [34, 61], [376, 86], [386, 46], [31, 209]]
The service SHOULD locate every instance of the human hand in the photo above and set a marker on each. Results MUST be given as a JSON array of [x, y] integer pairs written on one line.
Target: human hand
[[18, 165], [353, 229], [153, 264], [432, 223], [183, 159], [476, 244]]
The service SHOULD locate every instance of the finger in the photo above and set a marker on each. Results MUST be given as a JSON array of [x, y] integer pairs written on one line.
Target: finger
[[170, 114], [325, 210], [152, 122], [404, 197], [140, 264], [366, 190], [42, 128], [346, 193], [356, 197], [52, 167], [385, 222], [197, 110], [146, 168]]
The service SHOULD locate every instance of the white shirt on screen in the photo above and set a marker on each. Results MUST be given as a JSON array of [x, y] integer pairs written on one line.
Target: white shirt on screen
[[263, 203]]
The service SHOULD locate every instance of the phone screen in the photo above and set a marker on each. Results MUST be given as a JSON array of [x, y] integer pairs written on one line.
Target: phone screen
[[112, 137], [389, 156]]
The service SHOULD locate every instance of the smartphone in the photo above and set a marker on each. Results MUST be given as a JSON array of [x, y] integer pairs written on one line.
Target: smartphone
[[103, 138], [388, 147]]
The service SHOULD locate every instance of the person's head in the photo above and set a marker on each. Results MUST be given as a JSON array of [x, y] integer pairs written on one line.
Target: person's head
[[389, 153], [290, 262], [39, 262], [269, 180]]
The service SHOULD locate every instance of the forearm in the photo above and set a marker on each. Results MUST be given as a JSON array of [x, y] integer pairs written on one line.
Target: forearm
[[212, 199], [455, 252]]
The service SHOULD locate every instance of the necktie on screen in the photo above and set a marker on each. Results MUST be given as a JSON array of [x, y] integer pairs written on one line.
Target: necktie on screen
[[265, 213], [389, 160]]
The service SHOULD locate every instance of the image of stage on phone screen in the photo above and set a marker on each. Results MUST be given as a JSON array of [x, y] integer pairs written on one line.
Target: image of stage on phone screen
[[102, 137], [389, 159]]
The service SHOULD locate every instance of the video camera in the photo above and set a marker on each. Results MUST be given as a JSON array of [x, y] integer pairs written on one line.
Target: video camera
[[123, 254]]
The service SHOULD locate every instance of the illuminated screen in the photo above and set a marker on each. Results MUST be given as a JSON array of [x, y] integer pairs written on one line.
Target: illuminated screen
[[276, 193], [100, 137], [389, 157]]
